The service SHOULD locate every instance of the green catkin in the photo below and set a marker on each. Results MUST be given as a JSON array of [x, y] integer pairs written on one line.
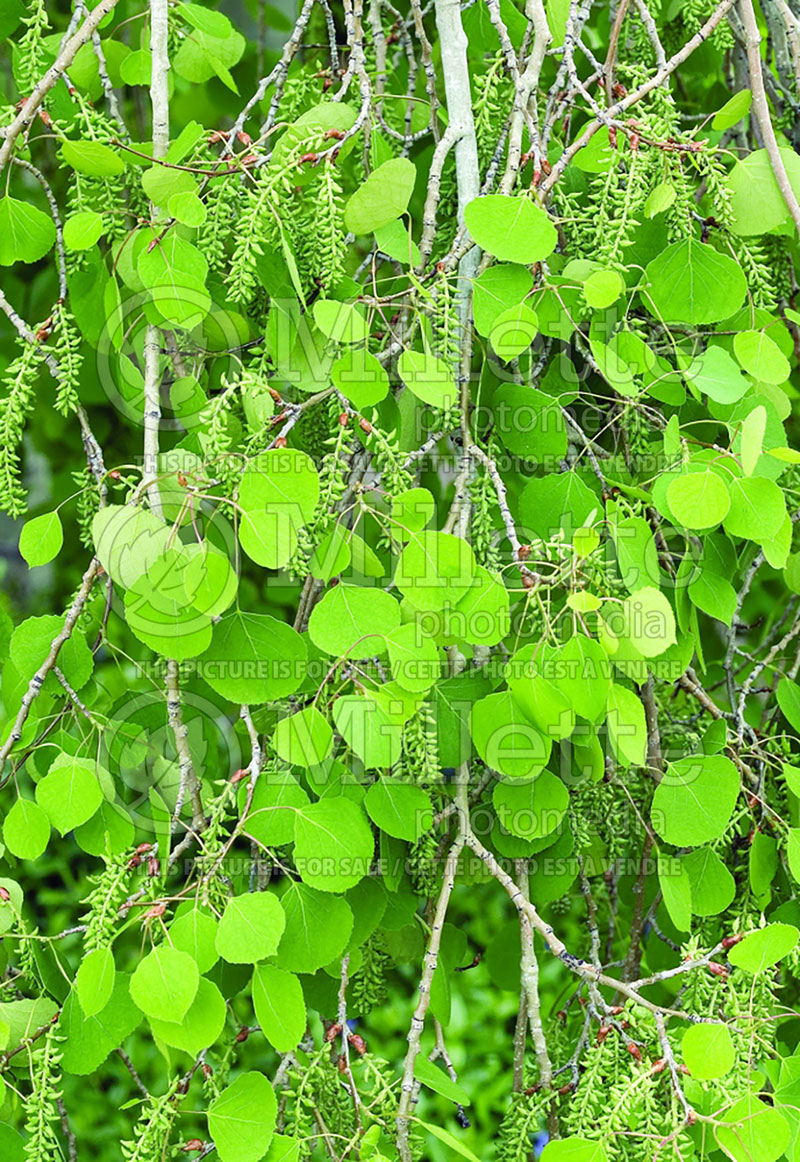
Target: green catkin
[[154, 1127], [420, 747], [29, 51], [423, 864], [368, 988], [523, 1119], [259, 221], [482, 527], [17, 402], [66, 343], [224, 211], [753, 259], [41, 1105], [326, 236], [110, 890]]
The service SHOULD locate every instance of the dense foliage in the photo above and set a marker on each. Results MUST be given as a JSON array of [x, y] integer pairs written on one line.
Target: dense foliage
[[401, 622]]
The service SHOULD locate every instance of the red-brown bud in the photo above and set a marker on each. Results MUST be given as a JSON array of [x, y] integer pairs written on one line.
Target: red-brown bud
[[358, 1043]]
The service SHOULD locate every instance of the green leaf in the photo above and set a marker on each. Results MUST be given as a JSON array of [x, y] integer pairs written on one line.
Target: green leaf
[[435, 569], [699, 500], [70, 792], [708, 1051], [89, 1040], [713, 886], [341, 322], [764, 947], [94, 982], [303, 739], [647, 621], [195, 932], [482, 615], [159, 611], [202, 56], [498, 289], [718, 376], [440, 1082], [428, 378], [732, 111], [128, 541], [214, 23], [253, 658], [574, 1150], [761, 356], [279, 1006], [174, 272], [757, 509], [602, 288], [752, 439], [318, 927], [26, 234], [659, 199], [26, 830], [383, 197], [242, 1119], [350, 619], [165, 983], [692, 283], [360, 377], [271, 817], [452, 1143], [251, 928], [513, 229], [209, 580], [531, 808], [187, 208], [584, 675], [160, 183], [278, 492], [673, 879], [626, 724], [505, 739], [695, 799], [412, 510], [395, 240], [333, 844], [414, 657], [752, 1131], [544, 701], [31, 643], [92, 158], [757, 204], [788, 696], [513, 331], [368, 729], [399, 809], [200, 1027], [82, 230]]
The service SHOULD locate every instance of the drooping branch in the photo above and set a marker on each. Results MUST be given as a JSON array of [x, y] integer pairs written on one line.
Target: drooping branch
[[761, 110], [62, 62]]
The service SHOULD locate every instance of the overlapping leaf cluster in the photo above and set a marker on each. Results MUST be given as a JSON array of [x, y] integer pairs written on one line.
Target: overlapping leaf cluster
[[406, 645]]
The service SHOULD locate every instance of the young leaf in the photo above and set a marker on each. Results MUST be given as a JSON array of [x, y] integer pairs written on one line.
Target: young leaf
[[165, 983], [250, 929], [242, 1119], [279, 1006]]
